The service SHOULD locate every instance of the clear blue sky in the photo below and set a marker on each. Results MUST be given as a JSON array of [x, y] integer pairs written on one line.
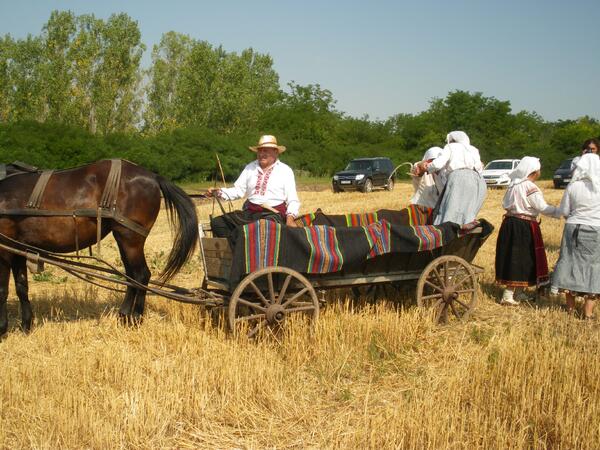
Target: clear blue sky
[[385, 57]]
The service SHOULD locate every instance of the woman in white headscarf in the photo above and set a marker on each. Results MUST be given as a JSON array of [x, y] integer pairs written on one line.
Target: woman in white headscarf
[[465, 189], [427, 186], [577, 271], [520, 254]]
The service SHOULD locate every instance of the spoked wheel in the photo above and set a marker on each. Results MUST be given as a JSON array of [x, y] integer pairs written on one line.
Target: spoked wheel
[[448, 285], [267, 298]]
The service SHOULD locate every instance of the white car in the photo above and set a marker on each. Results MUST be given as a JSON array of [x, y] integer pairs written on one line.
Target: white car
[[496, 172]]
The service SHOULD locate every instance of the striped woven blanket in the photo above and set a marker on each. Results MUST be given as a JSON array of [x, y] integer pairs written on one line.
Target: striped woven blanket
[[419, 215], [305, 220], [261, 244], [321, 249], [325, 255], [379, 238], [428, 237], [360, 220]]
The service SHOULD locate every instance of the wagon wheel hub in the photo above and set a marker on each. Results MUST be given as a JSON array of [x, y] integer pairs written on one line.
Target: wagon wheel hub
[[275, 314], [266, 297], [449, 294]]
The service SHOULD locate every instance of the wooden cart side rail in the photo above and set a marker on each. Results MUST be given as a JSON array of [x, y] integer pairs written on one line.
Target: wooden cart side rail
[[360, 279], [320, 281]]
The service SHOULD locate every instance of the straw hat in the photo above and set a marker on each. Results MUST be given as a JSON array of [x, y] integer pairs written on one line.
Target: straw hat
[[268, 141]]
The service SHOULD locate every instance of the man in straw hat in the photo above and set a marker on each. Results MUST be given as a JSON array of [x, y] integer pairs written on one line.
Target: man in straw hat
[[269, 187]]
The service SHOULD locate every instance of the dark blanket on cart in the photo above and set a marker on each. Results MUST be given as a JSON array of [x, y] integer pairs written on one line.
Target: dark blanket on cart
[[326, 249], [412, 215]]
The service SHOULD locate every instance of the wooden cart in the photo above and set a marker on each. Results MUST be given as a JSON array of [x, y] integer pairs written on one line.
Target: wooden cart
[[447, 282]]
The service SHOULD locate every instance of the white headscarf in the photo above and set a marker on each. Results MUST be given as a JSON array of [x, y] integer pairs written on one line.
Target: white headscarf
[[458, 136], [588, 168], [527, 166], [432, 153], [459, 139]]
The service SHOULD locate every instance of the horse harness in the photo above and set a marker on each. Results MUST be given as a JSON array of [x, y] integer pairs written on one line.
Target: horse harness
[[107, 208]]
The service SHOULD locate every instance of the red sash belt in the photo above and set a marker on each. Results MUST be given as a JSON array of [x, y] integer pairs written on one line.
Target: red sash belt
[[521, 216], [253, 207]]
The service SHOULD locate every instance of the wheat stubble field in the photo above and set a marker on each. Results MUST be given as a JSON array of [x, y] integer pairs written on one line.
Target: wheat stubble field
[[373, 376]]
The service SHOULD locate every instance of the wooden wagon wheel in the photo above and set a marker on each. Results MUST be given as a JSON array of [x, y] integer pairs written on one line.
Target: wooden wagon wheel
[[267, 297], [448, 285]]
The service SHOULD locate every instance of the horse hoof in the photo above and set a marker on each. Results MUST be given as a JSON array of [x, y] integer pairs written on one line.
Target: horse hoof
[[131, 319]]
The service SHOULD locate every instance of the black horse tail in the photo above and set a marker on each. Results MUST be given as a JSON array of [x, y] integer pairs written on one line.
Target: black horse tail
[[182, 215]]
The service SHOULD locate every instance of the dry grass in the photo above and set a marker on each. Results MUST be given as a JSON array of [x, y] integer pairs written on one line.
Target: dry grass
[[371, 376]]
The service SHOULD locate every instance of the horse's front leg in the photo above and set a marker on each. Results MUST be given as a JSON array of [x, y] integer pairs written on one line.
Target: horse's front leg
[[4, 277], [19, 268]]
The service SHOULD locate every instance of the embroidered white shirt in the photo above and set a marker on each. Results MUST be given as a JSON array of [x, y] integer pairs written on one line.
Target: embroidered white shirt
[[526, 198], [273, 186]]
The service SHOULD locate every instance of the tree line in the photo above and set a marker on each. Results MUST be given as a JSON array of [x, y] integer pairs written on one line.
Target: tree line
[[77, 92]]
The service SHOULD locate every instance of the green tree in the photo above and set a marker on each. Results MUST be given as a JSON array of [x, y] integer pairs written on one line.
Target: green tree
[[305, 112], [25, 57], [164, 100], [116, 84], [192, 82], [55, 71], [6, 48], [80, 70], [568, 135]]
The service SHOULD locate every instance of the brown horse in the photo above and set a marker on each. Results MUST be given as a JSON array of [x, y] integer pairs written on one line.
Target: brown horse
[[136, 192]]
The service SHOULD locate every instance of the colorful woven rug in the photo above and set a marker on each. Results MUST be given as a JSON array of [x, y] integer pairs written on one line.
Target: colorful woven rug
[[428, 236], [379, 238], [325, 255], [261, 240], [419, 215], [306, 220], [360, 220]]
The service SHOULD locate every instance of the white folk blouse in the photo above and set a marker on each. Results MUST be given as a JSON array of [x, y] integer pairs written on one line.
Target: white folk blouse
[[273, 186], [526, 198]]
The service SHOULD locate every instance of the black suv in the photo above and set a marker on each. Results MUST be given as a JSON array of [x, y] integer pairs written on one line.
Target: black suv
[[364, 174], [562, 175]]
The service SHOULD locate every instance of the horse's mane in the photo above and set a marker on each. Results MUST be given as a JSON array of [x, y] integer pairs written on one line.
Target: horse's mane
[[15, 168]]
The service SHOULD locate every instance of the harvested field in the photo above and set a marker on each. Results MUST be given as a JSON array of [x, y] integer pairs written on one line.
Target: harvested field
[[372, 376]]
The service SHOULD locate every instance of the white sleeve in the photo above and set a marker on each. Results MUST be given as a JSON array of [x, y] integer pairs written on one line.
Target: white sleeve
[[574, 161], [536, 200], [478, 164], [292, 201], [564, 208], [239, 187], [441, 161]]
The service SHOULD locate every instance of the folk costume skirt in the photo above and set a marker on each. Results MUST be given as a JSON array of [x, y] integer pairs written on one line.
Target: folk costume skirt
[[520, 254], [578, 266], [461, 199]]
